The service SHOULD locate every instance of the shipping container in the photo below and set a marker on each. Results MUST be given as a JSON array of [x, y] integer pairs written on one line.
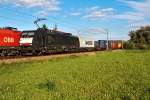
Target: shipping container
[[112, 44], [115, 44], [101, 45], [96, 45], [86, 43]]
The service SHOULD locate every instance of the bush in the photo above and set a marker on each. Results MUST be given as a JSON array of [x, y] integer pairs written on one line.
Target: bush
[[129, 45], [143, 46]]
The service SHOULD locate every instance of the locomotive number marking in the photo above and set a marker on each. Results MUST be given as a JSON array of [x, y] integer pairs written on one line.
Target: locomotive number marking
[[9, 40]]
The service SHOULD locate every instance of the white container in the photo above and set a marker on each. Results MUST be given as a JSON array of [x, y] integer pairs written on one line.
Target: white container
[[84, 42]]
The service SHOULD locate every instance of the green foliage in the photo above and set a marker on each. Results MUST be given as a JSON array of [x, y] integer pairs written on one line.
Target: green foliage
[[133, 36], [143, 46], [120, 75], [141, 37], [48, 85], [129, 45]]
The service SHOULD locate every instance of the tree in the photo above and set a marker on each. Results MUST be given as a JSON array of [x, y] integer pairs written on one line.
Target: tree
[[140, 37], [133, 37]]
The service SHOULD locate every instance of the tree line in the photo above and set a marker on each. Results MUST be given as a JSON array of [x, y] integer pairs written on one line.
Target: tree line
[[139, 39]]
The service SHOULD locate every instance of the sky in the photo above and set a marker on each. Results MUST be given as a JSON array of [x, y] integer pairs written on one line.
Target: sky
[[85, 18]]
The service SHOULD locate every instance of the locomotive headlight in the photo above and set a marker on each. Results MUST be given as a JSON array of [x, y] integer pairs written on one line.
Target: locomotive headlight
[[26, 42]]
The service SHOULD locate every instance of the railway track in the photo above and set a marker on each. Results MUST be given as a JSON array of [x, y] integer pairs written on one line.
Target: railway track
[[14, 59]]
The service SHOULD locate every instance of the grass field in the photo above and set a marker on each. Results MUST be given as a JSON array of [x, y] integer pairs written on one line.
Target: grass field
[[123, 75]]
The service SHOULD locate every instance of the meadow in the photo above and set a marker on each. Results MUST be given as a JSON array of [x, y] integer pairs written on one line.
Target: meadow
[[122, 75]]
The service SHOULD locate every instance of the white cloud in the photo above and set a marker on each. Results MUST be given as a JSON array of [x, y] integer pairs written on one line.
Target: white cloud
[[93, 13], [108, 10], [92, 8], [97, 30], [141, 9], [137, 25], [140, 12], [49, 5], [129, 16], [142, 6], [75, 13], [41, 13], [97, 13]]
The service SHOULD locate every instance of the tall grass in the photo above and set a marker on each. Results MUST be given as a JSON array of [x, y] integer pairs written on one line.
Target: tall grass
[[121, 75]]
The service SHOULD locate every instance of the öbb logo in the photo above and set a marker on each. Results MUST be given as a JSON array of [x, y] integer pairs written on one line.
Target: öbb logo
[[9, 40]]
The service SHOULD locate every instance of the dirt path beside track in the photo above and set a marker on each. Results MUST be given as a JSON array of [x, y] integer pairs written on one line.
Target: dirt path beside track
[[42, 58]]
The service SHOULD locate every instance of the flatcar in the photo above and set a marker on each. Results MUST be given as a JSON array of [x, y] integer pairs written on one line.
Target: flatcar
[[9, 41]]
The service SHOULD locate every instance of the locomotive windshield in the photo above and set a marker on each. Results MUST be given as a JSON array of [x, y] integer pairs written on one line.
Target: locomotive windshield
[[27, 34]]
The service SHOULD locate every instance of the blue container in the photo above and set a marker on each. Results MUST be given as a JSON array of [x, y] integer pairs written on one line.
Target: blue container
[[102, 44]]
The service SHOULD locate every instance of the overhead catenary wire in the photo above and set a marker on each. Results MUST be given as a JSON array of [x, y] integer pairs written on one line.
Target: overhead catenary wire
[[22, 14], [22, 18], [87, 37], [69, 25]]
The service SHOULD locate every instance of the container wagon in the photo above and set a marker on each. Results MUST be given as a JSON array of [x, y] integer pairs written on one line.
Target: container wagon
[[112, 44], [101, 45], [86, 44]]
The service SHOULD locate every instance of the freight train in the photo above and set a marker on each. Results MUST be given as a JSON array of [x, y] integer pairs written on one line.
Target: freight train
[[45, 41]]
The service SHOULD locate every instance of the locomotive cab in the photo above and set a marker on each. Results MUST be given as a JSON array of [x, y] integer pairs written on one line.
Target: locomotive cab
[[26, 41], [26, 38], [33, 41]]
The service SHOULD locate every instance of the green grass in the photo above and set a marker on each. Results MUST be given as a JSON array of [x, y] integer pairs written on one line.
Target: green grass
[[123, 75]]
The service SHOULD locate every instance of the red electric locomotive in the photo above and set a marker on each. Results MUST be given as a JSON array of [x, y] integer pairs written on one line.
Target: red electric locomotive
[[9, 41]]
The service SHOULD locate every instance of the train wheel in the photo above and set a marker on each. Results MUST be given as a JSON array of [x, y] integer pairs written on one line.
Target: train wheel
[[40, 53], [34, 53], [3, 54]]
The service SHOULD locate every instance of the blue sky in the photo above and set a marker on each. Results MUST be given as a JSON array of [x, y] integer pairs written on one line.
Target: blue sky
[[86, 18]]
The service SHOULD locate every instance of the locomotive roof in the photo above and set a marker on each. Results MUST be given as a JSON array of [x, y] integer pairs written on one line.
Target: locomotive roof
[[29, 31], [51, 31], [9, 28], [60, 32], [6, 29]]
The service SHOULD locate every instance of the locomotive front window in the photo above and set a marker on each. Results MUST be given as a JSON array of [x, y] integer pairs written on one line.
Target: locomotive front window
[[31, 34], [27, 34]]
